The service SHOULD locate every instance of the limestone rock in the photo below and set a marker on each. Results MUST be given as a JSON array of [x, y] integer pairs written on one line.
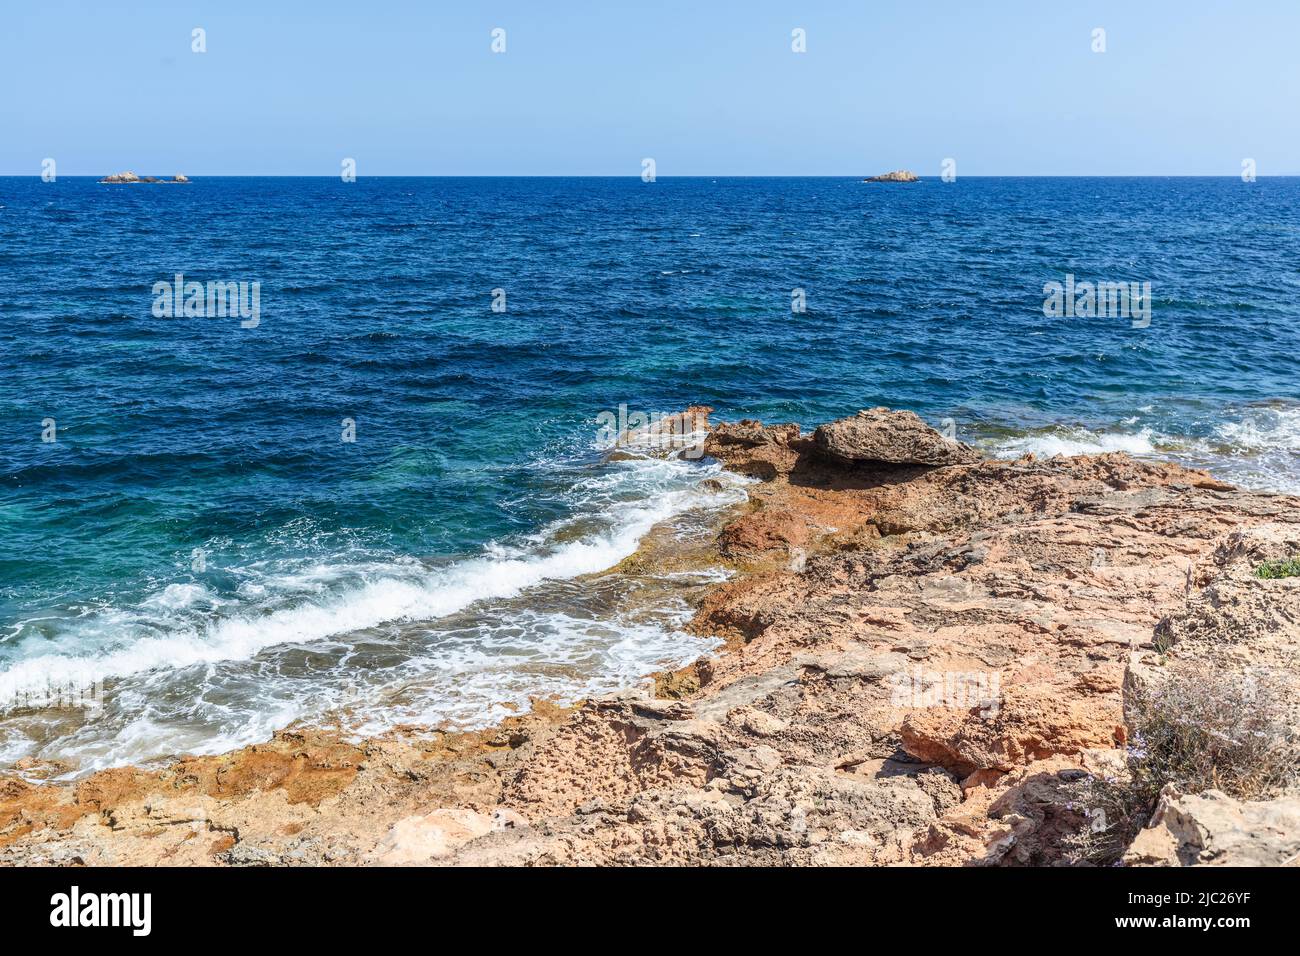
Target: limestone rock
[[971, 621], [1213, 829], [753, 433], [893, 437], [432, 836], [765, 531], [897, 176]]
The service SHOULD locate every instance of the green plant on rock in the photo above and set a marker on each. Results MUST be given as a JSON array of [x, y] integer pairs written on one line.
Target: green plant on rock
[[1274, 570]]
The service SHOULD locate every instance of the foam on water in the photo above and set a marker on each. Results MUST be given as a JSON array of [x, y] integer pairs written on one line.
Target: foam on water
[[309, 537], [1255, 446], [184, 641], [396, 593], [553, 655], [1074, 441]]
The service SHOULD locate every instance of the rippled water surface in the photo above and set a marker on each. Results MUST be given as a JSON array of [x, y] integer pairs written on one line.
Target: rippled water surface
[[439, 568]]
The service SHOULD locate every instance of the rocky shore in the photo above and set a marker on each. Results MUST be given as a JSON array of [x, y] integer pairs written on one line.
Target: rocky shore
[[932, 659]]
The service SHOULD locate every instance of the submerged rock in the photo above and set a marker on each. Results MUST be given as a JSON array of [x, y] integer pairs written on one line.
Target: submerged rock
[[893, 437], [660, 436]]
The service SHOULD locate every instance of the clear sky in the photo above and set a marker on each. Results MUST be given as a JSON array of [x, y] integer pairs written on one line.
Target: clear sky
[[705, 87]]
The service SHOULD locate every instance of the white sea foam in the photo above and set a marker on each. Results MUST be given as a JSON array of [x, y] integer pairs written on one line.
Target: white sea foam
[[467, 642], [1254, 446], [462, 682], [181, 595], [168, 633], [1262, 428], [1075, 441]]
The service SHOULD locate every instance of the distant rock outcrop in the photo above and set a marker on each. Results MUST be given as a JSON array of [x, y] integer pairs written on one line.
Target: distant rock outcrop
[[897, 176], [130, 177]]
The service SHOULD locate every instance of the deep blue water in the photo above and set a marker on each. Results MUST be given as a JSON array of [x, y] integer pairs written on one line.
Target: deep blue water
[[432, 568]]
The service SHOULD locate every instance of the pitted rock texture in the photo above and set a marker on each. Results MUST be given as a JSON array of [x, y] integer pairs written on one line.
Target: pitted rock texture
[[922, 685], [1234, 626], [892, 437], [1213, 829]]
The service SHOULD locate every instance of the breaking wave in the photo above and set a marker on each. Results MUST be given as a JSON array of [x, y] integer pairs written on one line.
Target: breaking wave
[[1255, 446], [481, 634]]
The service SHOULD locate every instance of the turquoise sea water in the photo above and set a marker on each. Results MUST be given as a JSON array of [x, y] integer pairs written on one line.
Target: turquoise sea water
[[199, 541]]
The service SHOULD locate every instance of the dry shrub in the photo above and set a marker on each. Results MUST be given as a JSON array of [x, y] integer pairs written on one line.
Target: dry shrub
[[1199, 729]]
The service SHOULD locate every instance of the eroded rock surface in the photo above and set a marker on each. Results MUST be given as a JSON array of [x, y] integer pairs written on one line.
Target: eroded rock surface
[[1213, 829], [1237, 627], [893, 437], [923, 657]]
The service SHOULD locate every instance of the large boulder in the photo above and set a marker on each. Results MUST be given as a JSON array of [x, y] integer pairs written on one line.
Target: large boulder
[[892, 437]]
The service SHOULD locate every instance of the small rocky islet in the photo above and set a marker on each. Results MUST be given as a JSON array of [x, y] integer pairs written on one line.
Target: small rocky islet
[[130, 177], [897, 176]]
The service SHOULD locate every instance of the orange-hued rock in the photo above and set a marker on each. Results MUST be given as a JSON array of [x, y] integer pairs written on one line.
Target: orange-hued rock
[[1235, 626], [763, 532], [925, 653]]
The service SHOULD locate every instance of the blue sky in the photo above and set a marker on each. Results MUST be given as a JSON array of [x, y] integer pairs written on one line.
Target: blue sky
[[705, 88]]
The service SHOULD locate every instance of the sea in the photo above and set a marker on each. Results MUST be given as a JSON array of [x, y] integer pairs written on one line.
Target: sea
[[381, 494]]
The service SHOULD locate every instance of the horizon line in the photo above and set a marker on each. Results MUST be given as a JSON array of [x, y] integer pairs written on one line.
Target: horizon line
[[1288, 175]]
